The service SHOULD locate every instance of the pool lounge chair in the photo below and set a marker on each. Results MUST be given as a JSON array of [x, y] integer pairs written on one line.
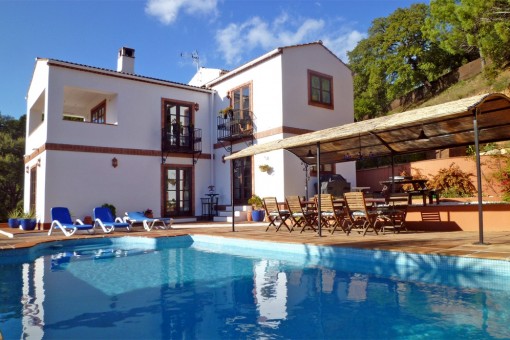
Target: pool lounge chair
[[104, 219], [136, 217], [61, 219]]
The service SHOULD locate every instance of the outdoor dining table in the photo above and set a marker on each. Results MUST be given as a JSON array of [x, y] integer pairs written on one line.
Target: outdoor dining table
[[419, 188]]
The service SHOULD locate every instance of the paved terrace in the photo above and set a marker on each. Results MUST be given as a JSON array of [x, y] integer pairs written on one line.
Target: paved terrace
[[456, 243]]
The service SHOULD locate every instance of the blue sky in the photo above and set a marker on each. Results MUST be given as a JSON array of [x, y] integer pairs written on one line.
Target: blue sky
[[164, 34]]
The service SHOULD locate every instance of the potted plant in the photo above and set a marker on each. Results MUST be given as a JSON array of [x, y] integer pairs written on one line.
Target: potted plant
[[265, 168], [228, 111], [14, 216], [28, 220], [257, 213]]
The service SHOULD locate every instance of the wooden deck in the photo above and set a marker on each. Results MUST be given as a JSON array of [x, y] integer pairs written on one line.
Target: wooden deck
[[453, 243]]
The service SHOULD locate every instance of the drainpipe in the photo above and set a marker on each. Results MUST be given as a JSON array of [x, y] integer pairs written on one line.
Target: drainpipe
[[319, 214], [211, 137]]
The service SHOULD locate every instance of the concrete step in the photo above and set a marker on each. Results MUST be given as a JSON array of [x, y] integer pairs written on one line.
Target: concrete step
[[185, 219], [226, 215], [229, 219], [237, 208]]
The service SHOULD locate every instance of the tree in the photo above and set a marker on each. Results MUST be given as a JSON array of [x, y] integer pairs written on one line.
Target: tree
[[478, 28], [12, 147], [394, 59], [370, 88]]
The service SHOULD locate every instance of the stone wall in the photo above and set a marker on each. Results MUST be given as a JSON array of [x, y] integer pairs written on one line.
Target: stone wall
[[427, 168], [437, 86]]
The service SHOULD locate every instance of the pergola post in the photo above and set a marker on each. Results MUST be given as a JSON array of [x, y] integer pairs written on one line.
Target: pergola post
[[232, 165], [478, 179], [319, 226]]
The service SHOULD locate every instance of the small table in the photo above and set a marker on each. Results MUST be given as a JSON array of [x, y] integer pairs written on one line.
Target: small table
[[209, 206]]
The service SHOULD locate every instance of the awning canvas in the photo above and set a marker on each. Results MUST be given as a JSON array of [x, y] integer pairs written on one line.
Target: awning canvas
[[469, 121], [446, 125]]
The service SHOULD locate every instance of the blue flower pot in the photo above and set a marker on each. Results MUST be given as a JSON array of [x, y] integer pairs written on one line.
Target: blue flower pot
[[258, 215], [27, 223], [13, 223]]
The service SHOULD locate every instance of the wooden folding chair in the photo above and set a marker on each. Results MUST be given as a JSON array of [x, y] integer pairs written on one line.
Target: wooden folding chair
[[359, 216], [301, 218], [394, 218], [275, 214], [332, 217]]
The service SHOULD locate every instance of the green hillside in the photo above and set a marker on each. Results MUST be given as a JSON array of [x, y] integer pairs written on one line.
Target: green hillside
[[467, 88]]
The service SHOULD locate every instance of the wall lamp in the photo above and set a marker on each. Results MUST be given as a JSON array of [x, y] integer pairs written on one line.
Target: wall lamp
[[115, 162]]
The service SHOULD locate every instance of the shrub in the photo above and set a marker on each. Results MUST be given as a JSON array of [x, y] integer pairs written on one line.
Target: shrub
[[453, 182], [111, 207], [256, 202], [505, 183]]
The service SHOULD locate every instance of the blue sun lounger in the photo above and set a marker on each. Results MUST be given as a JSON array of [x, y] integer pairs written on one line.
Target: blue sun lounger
[[104, 219], [134, 217], [61, 219]]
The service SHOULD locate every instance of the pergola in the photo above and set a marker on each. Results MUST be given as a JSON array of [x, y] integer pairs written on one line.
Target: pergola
[[474, 120]]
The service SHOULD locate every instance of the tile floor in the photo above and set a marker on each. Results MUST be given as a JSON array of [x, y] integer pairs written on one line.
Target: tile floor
[[458, 243]]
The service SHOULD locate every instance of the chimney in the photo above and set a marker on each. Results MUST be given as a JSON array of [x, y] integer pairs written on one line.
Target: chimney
[[126, 60]]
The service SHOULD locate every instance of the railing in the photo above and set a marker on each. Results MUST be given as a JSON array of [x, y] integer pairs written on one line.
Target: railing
[[181, 138], [234, 125]]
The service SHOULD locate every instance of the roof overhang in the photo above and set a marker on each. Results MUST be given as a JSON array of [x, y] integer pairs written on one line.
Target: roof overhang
[[446, 125]]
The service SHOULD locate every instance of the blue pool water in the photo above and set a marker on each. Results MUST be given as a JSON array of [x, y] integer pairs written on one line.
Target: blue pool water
[[216, 288]]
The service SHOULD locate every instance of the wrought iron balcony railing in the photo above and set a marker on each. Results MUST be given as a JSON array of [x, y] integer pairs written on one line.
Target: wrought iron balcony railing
[[234, 125], [181, 138]]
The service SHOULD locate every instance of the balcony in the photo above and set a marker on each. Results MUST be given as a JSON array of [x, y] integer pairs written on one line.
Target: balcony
[[235, 126], [181, 139]]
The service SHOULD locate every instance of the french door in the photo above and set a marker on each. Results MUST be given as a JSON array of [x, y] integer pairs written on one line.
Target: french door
[[242, 180], [178, 125], [33, 188], [178, 191]]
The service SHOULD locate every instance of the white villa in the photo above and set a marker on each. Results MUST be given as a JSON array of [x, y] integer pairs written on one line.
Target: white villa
[[98, 136]]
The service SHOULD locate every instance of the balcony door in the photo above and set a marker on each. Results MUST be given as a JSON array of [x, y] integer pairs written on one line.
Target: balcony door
[[178, 125], [178, 194]]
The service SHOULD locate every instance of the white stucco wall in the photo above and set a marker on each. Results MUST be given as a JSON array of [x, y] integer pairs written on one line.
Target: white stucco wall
[[137, 106], [36, 131], [265, 80], [280, 101], [82, 180], [296, 111]]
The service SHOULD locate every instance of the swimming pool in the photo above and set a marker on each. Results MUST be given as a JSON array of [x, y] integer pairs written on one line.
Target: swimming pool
[[212, 287]]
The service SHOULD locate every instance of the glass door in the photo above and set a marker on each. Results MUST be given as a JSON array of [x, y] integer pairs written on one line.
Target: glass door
[[242, 180], [178, 125], [33, 188], [178, 195]]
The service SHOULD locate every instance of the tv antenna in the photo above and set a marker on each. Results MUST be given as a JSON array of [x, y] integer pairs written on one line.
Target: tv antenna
[[195, 58]]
